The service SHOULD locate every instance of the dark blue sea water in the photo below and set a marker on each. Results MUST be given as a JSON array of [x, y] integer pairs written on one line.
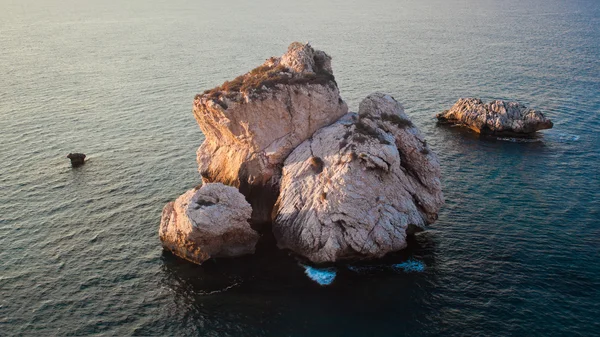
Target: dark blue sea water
[[516, 250]]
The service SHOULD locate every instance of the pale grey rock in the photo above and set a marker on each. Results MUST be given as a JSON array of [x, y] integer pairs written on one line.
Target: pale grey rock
[[303, 58], [252, 123], [299, 58], [208, 222], [355, 188], [496, 117]]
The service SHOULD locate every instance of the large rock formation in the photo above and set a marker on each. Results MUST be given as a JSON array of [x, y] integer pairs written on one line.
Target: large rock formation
[[497, 118], [252, 123], [208, 222], [355, 188], [345, 185]]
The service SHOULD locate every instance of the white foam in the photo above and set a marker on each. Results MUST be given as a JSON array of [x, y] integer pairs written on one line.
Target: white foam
[[566, 137], [323, 276]]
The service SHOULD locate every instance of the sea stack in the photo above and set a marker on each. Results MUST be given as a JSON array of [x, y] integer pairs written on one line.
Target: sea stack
[[331, 185], [252, 123], [497, 118], [77, 159]]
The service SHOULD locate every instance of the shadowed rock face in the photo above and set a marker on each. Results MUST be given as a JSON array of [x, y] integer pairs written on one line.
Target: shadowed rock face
[[208, 222], [495, 118], [253, 122], [355, 188]]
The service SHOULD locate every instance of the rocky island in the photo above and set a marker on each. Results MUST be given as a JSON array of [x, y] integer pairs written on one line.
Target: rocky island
[[497, 118], [330, 184]]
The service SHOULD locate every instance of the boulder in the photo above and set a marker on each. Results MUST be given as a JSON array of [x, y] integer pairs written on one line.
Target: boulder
[[496, 118], [208, 222], [357, 187], [77, 159], [252, 123]]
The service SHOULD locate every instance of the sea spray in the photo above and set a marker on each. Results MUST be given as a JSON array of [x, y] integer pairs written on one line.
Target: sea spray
[[323, 276]]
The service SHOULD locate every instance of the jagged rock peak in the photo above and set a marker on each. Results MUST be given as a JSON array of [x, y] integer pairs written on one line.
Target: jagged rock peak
[[302, 58], [252, 123], [496, 117], [301, 64]]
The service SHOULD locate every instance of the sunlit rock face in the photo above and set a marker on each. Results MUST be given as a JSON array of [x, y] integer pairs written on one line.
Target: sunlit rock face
[[281, 149], [357, 187], [208, 222], [496, 117], [252, 123]]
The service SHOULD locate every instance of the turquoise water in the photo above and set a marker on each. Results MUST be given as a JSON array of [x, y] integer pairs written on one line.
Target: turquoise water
[[515, 251]]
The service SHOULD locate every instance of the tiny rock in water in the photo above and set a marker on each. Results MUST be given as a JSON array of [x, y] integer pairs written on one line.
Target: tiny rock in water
[[77, 159]]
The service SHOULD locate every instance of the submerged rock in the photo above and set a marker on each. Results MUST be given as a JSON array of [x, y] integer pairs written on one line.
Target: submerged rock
[[497, 118], [77, 159], [355, 188], [208, 222], [252, 123]]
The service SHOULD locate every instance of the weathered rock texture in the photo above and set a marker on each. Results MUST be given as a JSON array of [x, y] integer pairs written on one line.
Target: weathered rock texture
[[495, 118], [208, 222], [355, 188], [252, 123]]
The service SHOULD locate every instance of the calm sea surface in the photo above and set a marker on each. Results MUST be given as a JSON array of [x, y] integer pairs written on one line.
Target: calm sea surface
[[516, 250]]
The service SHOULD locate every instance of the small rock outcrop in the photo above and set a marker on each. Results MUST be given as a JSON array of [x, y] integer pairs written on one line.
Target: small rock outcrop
[[496, 118], [252, 123], [77, 159], [208, 222], [357, 187]]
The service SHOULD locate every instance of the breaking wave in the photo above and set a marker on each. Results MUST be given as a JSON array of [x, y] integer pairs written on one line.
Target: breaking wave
[[323, 276]]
